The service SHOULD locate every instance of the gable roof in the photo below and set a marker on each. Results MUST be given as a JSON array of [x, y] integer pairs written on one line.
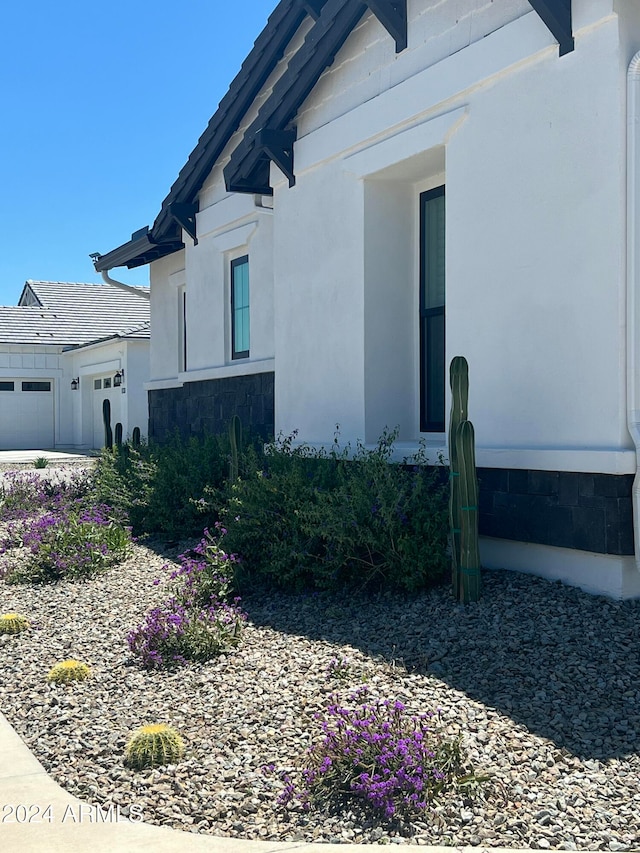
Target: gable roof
[[63, 313], [164, 237], [270, 136]]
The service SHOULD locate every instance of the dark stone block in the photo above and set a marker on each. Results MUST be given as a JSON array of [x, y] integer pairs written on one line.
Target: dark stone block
[[518, 481], [589, 529], [543, 482], [551, 525], [593, 501], [493, 479], [612, 485], [208, 405], [568, 489], [586, 485], [619, 521]]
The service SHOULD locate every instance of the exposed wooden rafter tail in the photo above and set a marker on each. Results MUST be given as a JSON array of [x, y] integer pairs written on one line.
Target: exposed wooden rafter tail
[[556, 14], [392, 14]]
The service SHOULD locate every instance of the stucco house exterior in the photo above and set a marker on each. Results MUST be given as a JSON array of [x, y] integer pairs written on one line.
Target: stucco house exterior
[[388, 184], [64, 349]]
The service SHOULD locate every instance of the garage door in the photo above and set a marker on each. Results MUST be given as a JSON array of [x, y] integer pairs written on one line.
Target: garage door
[[26, 414]]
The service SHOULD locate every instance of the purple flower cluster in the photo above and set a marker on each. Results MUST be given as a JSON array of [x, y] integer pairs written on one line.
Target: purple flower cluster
[[64, 533], [197, 622], [393, 764]]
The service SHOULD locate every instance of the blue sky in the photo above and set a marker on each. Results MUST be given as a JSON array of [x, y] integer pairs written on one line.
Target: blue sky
[[102, 104]]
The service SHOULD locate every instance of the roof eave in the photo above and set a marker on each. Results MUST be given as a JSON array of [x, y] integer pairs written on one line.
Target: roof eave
[[136, 253]]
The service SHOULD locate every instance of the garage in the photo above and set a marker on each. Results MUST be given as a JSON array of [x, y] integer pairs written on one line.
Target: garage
[[26, 414]]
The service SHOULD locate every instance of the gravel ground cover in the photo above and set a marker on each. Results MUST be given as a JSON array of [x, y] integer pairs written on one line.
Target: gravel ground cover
[[542, 681]]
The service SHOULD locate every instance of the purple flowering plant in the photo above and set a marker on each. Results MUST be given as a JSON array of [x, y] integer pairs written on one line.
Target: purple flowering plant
[[62, 532], [378, 757], [197, 622]]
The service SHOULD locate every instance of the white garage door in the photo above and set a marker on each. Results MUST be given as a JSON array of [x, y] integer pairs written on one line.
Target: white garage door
[[26, 414]]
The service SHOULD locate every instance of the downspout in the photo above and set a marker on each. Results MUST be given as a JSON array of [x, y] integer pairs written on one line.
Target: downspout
[[633, 281], [128, 287]]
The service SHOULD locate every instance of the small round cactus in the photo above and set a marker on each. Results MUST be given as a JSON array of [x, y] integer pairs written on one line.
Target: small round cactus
[[154, 746], [13, 623], [68, 671]]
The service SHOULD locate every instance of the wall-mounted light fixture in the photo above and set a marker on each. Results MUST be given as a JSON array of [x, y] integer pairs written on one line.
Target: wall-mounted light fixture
[[75, 384], [118, 379]]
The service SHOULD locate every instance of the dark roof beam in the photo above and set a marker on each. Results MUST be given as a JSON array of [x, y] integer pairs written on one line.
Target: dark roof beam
[[392, 14], [185, 215], [313, 7], [278, 146], [556, 14]]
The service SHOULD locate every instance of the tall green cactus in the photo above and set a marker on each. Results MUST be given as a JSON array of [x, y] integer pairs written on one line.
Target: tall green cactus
[[459, 381], [469, 556], [106, 418], [235, 440], [463, 499], [135, 437], [119, 435]]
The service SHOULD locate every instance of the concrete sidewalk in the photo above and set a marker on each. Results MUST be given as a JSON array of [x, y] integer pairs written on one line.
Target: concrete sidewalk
[[38, 816]]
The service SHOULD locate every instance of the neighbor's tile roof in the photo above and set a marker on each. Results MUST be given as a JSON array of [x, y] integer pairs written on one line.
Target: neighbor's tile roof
[[71, 313]]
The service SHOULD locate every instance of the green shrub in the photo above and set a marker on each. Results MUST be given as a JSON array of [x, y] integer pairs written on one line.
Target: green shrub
[[302, 518], [41, 462], [162, 487]]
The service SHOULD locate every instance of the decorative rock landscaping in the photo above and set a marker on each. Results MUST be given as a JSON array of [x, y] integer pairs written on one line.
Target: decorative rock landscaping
[[541, 681]]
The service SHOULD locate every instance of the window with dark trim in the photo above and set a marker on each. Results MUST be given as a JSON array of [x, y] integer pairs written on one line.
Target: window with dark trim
[[432, 313], [240, 307], [182, 330], [7, 386], [36, 386], [106, 382], [97, 384]]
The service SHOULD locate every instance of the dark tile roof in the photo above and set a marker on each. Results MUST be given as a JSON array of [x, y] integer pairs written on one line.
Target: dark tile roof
[[249, 163], [164, 237], [248, 170]]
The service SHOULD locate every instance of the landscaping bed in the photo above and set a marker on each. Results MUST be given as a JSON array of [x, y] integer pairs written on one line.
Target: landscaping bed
[[541, 681]]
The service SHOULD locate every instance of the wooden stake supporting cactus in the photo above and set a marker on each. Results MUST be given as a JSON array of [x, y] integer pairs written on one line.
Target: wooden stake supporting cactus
[[106, 418], [463, 493], [469, 557], [235, 440]]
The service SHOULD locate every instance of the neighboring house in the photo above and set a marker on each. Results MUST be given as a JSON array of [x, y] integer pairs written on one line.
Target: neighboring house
[[64, 349], [298, 263]]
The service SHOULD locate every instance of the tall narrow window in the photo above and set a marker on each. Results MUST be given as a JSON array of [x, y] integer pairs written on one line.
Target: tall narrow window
[[182, 329], [240, 307], [432, 302]]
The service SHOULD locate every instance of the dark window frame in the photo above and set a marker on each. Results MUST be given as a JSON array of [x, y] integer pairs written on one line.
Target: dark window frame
[[430, 421], [7, 382], [236, 354]]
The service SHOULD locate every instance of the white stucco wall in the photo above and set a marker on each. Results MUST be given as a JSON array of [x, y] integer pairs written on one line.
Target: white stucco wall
[[128, 407], [533, 161]]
